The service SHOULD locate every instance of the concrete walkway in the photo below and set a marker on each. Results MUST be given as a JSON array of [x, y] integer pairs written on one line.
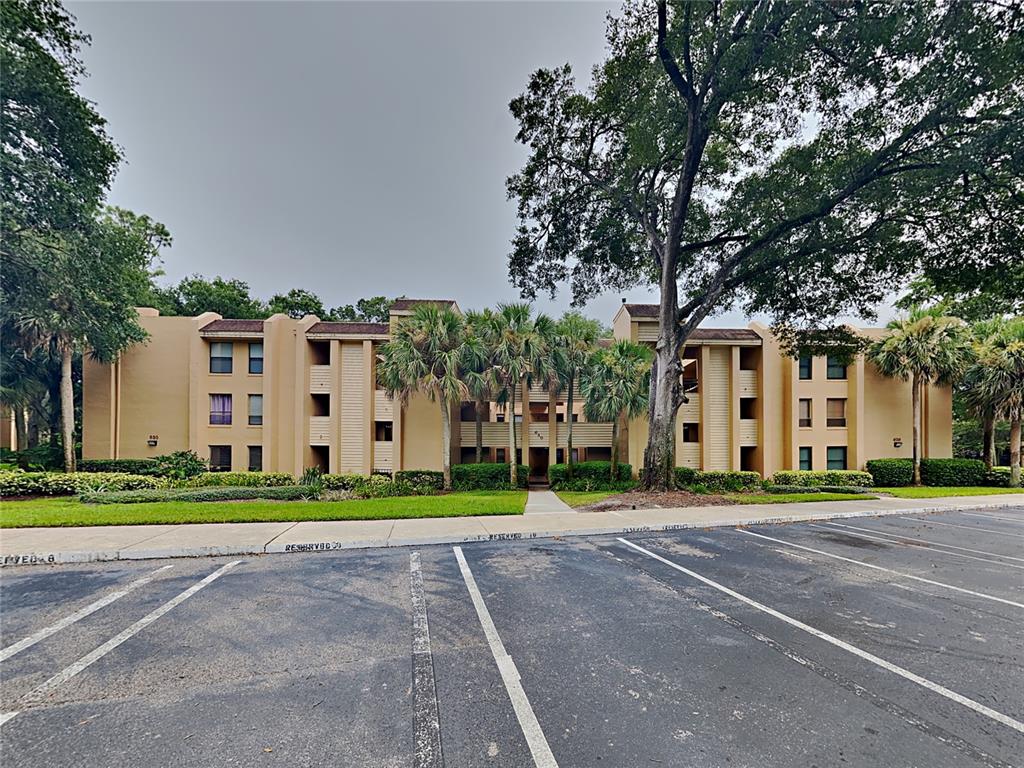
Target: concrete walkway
[[545, 502], [27, 546]]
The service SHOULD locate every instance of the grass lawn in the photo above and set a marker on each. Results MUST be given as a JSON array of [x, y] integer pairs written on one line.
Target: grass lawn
[[582, 498], [789, 498], [69, 511], [931, 492]]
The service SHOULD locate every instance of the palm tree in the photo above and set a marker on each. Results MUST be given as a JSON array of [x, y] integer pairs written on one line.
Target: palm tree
[[519, 347], [1000, 383], [614, 385], [576, 336], [477, 377], [925, 347], [976, 396], [429, 353]]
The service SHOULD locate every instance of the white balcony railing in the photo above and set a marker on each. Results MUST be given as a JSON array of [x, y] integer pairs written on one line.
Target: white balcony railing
[[748, 432], [383, 456], [383, 406], [319, 379], [748, 383], [688, 455], [319, 430]]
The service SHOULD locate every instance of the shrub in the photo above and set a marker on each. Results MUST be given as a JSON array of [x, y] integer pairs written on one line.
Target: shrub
[[242, 479], [998, 477], [685, 477], [421, 478], [126, 466], [891, 473], [486, 477], [381, 487], [597, 472], [806, 478], [21, 483], [342, 482], [953, 472], [844, 489], [229, 493], [791, 489], [41, 458], [729, 481], [180, 465]]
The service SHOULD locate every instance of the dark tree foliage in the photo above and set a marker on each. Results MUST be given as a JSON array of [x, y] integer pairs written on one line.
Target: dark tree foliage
[[800, 160]]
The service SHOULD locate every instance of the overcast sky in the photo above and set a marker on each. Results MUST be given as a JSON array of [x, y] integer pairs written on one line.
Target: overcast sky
[[353, 149]]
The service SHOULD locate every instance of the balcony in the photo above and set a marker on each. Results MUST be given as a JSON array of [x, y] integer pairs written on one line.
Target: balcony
[[383, 406], [319, 430], [688, 455], [690, 411], [383, 452], [495, 434], [748, 432], [319, 379], [586, 434], [748, 383]]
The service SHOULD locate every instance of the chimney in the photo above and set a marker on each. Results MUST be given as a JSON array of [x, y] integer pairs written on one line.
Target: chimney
[[623, 299]]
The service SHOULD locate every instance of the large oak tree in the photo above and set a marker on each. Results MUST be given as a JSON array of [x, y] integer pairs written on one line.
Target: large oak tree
[[798, 159]]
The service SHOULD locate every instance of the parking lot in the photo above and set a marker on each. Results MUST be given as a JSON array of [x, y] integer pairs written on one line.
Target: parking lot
[[893, 641]]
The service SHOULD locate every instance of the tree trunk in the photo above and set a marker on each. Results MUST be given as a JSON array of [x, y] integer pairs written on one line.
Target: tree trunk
[[659, 456], [479, 431], [446, 443], [568, 432], [915, 393], [615, 449], [511, 419], [67, 408], [1015, 452], [20, 428], [988, 439]]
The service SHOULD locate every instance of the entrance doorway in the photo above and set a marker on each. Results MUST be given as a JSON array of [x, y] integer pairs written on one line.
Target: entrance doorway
[[539, 466]]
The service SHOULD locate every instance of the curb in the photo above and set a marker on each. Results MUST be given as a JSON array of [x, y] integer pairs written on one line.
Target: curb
[[315, 547]]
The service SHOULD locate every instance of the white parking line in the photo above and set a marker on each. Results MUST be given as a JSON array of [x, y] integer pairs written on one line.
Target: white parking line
[[535, 738], [981, 709], [426, 721], [994, 517], [929, 521], [37, 694], [925, 547], [78, 615], [925, 541], [886, 570]]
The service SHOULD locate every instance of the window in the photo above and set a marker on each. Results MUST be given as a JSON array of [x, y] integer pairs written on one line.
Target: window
[[384, 431], [255, 458], [836, 457], [805, 367], [805, 458], [836, 368], [256, 357], [255, 410], [691, 432], [220, 356], [220, 458], [805, 412], [220, 409], [835, 412], [748, 407]]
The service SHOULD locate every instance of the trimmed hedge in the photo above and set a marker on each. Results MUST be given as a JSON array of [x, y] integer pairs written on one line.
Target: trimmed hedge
[[998, 477], [19, 483], [792, 489], [598, 473], [486, 477], [844, 489], [224, 493], [685, 476], [728, 481], [953, 472], [808, 478], [124, 466], [421, 478], [242, 480], [891, 473]]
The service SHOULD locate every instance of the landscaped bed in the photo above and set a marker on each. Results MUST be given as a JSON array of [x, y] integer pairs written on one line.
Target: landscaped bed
[[606, 501], [68, 511]]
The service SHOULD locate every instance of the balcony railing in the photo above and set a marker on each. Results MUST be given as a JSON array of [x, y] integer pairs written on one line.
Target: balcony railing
[[383, 456], [688, 455], [586, 434], [495, 434], [383, 406], [748, 432], [748, 383], [319, 379], [319, 430], [690, 411]]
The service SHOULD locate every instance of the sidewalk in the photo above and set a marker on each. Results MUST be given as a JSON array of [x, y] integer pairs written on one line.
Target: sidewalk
[[26, 546]]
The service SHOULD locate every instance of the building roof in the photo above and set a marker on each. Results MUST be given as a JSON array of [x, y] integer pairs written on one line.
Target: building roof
[[233, 326], [402, 305], [349, 329], [724, 334], [641, 310]]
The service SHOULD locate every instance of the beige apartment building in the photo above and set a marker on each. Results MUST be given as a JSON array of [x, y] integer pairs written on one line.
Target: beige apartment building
[[283, 394]]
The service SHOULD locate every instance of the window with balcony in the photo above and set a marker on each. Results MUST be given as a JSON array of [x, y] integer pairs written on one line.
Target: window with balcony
[[805, 412], [255, 458], [805, 458], [220, 356], [220, 409], [255, 410], [836, 457], [256, 357], [691, 432], [835, 412], [805, 367], [220, 458], [836, 368]]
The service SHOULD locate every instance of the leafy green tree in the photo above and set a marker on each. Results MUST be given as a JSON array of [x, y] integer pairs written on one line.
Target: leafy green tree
[[376, 309], [925, 347], [978, 398], [228, 298], [575, 336], [615, 385], [519, 347], [478, 375], [790, 159], [429, 352], [298, 303], [1000, 380]]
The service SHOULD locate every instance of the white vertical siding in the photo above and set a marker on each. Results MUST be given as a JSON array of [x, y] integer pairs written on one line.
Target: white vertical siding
[[716, 390], [351, 416]]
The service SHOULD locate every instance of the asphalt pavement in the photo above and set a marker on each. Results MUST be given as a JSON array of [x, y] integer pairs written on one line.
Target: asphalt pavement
[[891, 641]]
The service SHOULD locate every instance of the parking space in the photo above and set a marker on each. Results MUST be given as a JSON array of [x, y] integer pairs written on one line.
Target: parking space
[[875, 641]]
